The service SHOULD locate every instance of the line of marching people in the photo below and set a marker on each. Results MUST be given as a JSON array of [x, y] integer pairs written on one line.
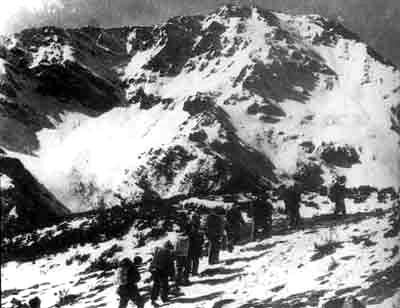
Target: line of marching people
[[170, 262], [179, 261], [223, 230]]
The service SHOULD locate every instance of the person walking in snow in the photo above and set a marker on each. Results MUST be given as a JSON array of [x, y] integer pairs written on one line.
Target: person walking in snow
[[128, 277], [234, 223], [195, 221], [162, 268], [262, 215], [196, 241], [35, 302], [214, 232], [292, 198], [337, 195], [182, 257]]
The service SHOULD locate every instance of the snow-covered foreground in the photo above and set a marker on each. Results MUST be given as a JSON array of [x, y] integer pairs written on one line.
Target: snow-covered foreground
[[281, 271]]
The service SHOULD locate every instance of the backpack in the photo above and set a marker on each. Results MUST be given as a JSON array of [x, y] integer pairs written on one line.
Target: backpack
[[123, 276], [182, 245], [215, 226], [336, 192]]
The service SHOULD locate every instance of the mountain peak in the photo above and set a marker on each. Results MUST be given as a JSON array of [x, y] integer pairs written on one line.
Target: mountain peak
[[237, 98]]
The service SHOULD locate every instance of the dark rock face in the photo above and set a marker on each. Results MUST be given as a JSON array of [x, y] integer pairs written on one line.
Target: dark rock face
[[269, 112], [280, 81], [148, 101], [341, 156], [396, 119], [178, 35], [33, 93], [198, 136], [34, 204], [210, 42], [73, 82], [332, 31], [18, 125], [308, 146], [349, 302], [168, 164], [143, 38], [198, 104]]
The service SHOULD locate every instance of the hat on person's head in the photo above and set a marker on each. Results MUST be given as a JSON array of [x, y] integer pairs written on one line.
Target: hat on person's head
[[126, 262], [138, 260], [168, 245], [34, 302]]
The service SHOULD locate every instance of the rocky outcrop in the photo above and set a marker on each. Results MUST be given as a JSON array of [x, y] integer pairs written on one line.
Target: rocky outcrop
[[339, 155], [232, 101], [344, 302], [33, 203]]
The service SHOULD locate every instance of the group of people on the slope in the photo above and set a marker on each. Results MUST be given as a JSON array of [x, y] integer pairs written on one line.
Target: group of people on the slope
[[169, 261], [177, 262], [222, 229]]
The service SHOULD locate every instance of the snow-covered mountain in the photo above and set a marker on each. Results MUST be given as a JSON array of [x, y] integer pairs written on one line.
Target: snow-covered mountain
[[239, 100]]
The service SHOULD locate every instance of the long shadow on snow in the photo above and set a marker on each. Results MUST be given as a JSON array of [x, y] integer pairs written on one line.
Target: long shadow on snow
[[188, 300], [220, 271], [300, 300], [310, 224], [245, 259], [215, 281]]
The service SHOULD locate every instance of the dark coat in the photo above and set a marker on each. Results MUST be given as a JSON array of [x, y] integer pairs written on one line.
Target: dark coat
[[196, 240], [214, 226], [163, 262], [234, 218], [292, 198], [262, 211], [337, 192], [128, 285]]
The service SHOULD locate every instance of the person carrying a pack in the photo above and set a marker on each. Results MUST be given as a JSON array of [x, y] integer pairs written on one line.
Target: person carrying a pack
[[182, 257], [337, 194], [195, 221], [262, 216], [292, 198], [196, 241], [128, 277], [234, 223], [35, 302], [214, 233], [162, 268]]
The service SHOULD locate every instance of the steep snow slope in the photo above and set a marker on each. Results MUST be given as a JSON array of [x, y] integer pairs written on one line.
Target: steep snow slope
[[237, 100], [48, 71], [287, 270]]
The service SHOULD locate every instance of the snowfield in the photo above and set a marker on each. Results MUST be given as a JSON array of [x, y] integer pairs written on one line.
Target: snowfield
[[284, 270], [343, 97]]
